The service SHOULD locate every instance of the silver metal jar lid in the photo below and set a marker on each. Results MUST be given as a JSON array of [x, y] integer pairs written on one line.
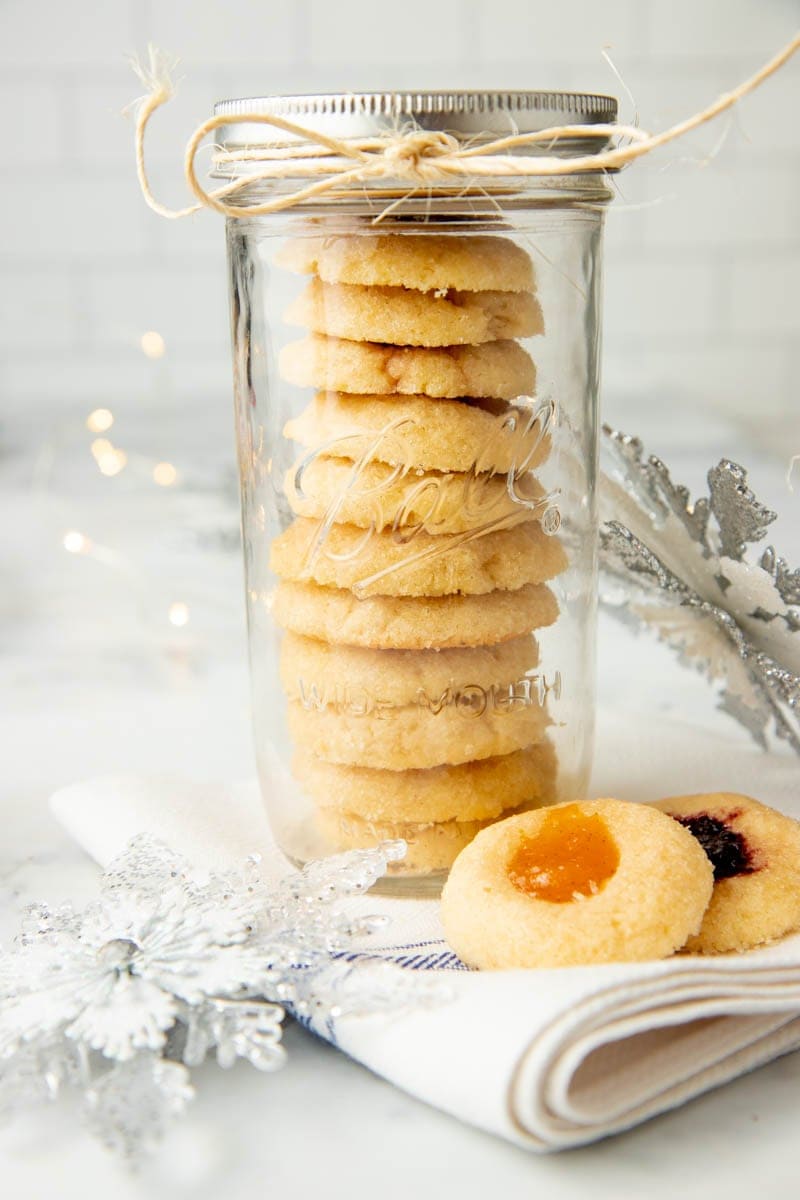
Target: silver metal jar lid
[[469, 116]]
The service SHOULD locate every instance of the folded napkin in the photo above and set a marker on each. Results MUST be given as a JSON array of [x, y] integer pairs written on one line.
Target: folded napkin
[[550, 1058]]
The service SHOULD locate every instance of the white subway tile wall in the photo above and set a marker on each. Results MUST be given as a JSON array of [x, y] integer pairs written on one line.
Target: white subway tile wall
[[703, 251]]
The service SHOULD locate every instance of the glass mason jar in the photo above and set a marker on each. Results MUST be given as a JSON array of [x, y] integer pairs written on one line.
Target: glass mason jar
[[416, 375]]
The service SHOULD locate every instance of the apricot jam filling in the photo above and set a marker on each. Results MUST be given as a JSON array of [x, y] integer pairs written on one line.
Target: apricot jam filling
[[573, 854]]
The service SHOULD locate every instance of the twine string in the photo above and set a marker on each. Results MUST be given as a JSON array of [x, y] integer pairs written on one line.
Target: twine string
[[420, 158]]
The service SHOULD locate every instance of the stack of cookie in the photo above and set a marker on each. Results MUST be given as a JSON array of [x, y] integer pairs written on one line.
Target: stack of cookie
[[415, 569]]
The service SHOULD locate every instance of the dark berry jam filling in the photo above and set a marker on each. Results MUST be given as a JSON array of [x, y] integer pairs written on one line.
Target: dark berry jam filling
[[729, 852]]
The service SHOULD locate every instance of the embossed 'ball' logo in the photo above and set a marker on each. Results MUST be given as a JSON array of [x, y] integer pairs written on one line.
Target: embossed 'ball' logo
[[551, 520]]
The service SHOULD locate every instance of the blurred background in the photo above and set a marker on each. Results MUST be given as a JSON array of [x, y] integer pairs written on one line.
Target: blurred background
[[703, 250], [120, 545]]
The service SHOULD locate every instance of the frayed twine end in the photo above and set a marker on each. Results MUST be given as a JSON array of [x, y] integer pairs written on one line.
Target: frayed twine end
[[157, 76]]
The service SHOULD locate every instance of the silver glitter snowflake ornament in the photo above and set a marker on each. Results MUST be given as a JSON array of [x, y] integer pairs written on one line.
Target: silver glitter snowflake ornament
[[680, 570], [120, 999]]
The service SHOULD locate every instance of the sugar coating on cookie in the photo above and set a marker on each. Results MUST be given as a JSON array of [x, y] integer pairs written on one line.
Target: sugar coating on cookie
[[377, 564], [428, 262], [406, 317], [373, 494], [755, 852], [535, 891], [499, 370], [412, 622], [432, 846], [383, 678], [414, 570], [456, 726], [474, 791], [425, 433]]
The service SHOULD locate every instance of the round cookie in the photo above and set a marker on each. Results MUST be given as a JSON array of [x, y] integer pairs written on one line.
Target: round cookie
[[474, 791], [452, 728], [377, 495], [377, 563], [412, 622], [362, 677], [755, 853], [405, 317], [431, 847], [499, 370], [419, 432], [600, 881], [428, 262]]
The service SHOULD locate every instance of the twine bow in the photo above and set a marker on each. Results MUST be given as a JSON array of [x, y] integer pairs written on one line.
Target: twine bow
[[420, 158]]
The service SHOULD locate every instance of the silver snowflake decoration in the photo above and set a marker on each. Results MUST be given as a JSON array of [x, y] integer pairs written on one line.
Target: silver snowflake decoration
[[680, 569], [120, 999]]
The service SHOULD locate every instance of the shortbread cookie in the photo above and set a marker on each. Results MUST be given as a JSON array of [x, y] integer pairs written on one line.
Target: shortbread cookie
[[456, 726], [412, 622], [379, 496], [428, 262], [378, 564], [363, 678], [755, 853], [600, 881], [499, 370], [431, 846], [474, 791], [419, 432], [405, 317]]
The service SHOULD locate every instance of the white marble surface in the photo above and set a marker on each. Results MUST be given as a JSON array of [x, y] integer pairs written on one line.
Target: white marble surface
[[94, 679]]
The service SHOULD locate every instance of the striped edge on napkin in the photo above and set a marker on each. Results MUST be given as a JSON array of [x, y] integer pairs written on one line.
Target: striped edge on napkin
[[547, 1059]]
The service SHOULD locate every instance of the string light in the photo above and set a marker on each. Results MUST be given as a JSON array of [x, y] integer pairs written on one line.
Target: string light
[[113, 463], [164, 474], [100, 420], [76, 543], [178, 614], [152, 343], [110, 460]]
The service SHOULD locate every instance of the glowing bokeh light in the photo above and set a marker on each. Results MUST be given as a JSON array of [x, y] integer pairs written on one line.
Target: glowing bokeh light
[[153, 344], [113, 462], [164, 474], [178, 614], [75, 542], [100, 420]]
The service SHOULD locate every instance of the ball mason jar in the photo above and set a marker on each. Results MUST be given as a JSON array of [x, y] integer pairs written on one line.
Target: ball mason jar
[[416, 375]]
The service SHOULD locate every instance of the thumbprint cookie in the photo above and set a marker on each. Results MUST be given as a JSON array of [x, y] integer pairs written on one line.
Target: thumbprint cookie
[[592, 882], [755, 853]]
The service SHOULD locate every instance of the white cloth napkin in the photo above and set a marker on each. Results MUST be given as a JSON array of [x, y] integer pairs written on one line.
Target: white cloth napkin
[[547, 1059]]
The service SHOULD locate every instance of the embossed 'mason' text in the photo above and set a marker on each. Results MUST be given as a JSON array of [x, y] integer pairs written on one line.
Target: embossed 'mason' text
[[470, 700]]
